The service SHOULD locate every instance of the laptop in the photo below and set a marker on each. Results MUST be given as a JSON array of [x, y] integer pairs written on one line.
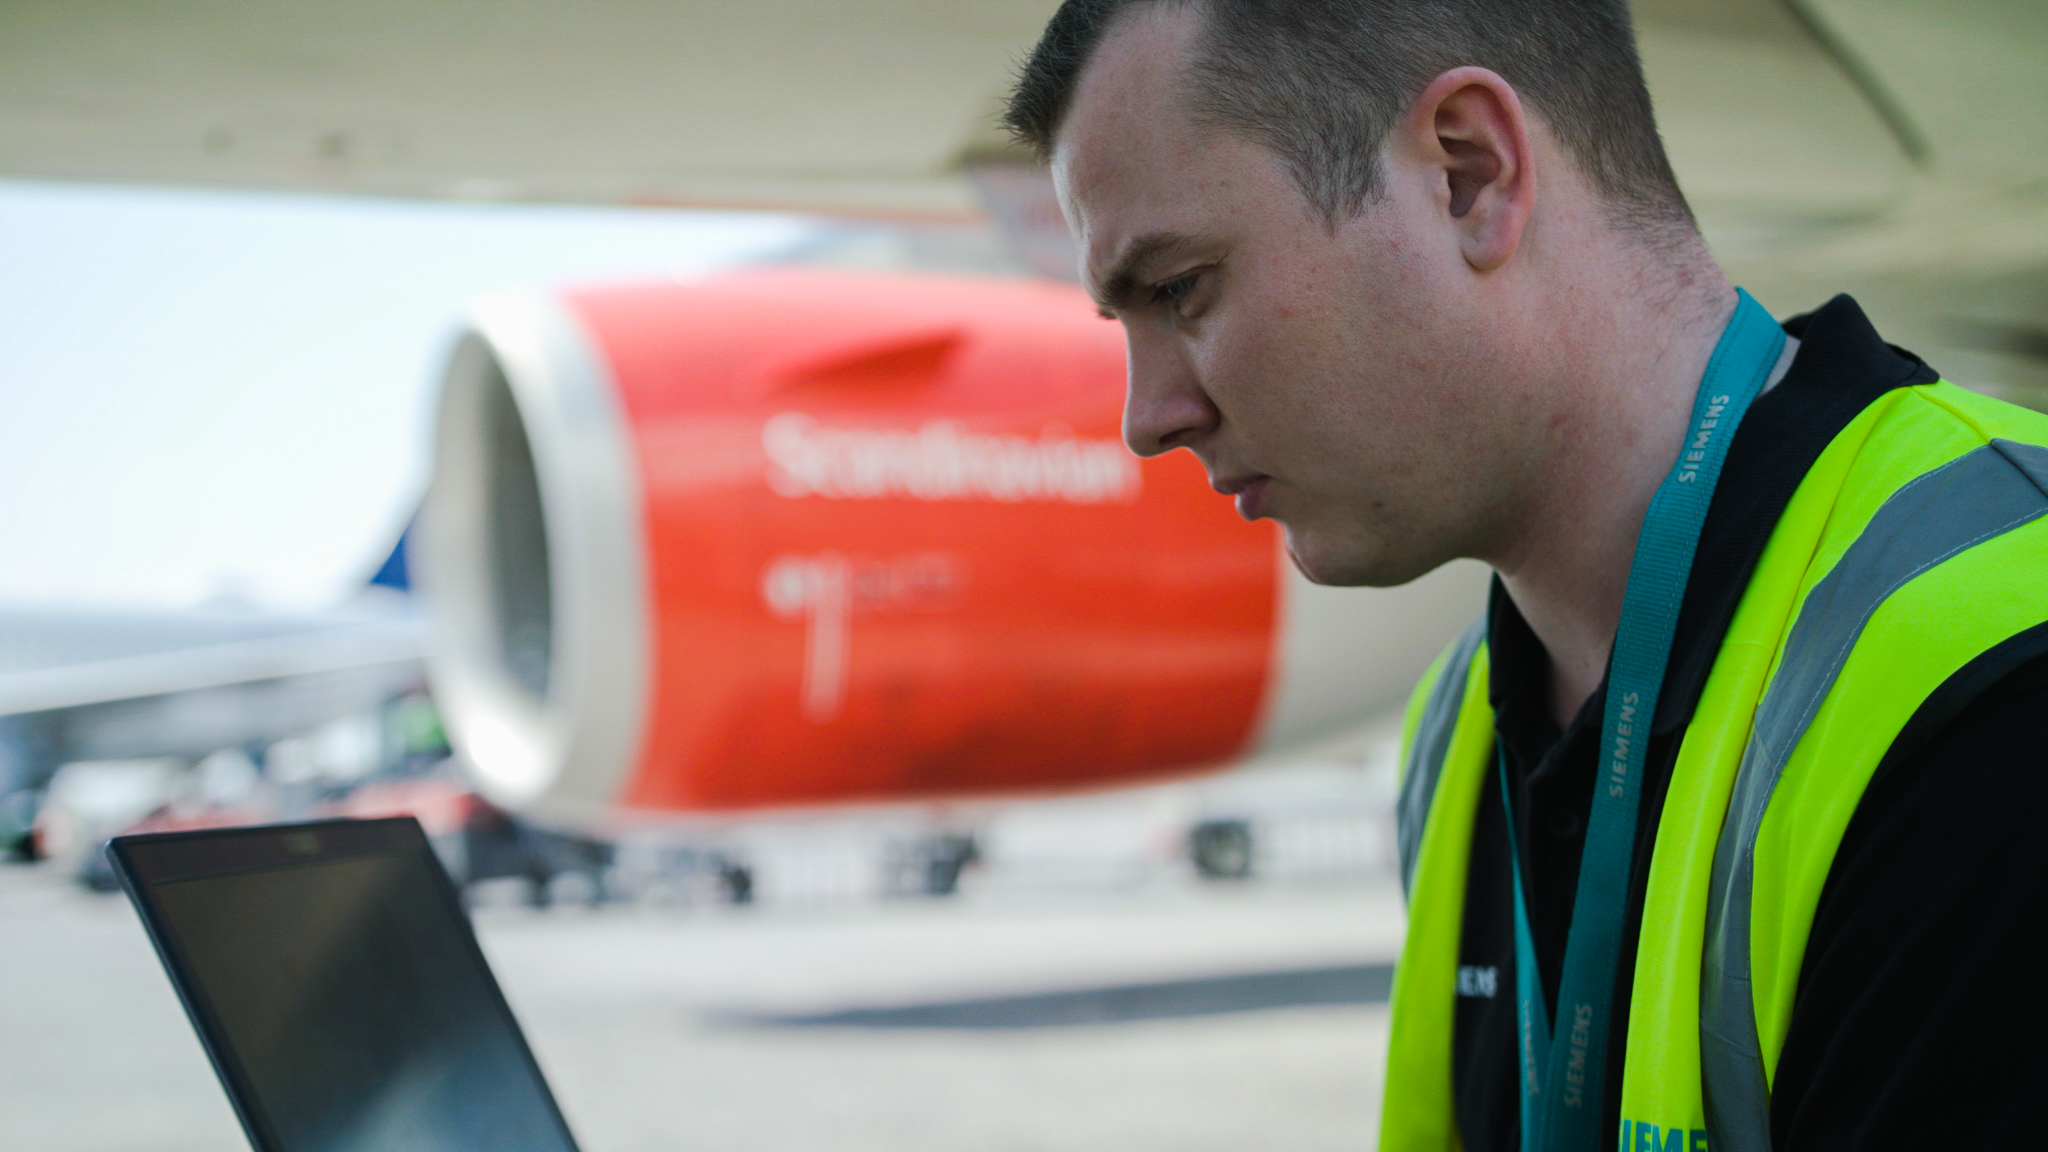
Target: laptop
[[335, 982]]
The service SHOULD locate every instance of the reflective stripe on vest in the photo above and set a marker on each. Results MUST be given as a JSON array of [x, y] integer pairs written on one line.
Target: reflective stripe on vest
[[1439, 825], [1980, 495], [1425, 739], [1916, 542]]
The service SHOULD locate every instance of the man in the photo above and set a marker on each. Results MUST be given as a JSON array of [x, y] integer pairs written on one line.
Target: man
[[1746, 767]]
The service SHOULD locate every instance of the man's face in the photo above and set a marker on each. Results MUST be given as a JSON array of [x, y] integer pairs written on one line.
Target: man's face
[[1319, 374]]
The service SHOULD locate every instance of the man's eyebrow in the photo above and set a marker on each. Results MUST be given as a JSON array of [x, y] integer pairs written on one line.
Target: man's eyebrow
[[1152, 247]]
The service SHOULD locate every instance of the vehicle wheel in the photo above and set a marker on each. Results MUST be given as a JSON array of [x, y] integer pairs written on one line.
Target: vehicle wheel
[[946, 857], [1222, 849], [738, 882]]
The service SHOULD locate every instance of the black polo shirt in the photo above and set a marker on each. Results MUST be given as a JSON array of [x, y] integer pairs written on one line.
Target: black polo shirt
[[1921, 1019]]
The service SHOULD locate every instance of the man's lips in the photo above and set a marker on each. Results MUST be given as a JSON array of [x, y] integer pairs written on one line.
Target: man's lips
[[1250, 492]]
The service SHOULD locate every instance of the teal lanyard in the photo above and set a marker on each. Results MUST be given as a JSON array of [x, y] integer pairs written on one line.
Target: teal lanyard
[[1563, 1078]]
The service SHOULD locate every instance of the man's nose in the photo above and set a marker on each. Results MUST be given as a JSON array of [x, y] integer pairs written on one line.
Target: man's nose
[[1164, 404]]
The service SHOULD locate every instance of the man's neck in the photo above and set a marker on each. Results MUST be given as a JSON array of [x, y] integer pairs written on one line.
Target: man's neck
[[1623, 407]]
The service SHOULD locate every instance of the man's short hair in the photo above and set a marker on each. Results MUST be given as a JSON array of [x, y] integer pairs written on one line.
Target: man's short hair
[[1321, 83]]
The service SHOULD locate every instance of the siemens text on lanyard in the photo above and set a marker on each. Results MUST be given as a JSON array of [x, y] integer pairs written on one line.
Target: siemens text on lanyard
[[1562, 1079]]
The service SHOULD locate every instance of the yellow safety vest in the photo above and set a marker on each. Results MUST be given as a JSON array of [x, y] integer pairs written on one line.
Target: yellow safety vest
[[1917, 542]]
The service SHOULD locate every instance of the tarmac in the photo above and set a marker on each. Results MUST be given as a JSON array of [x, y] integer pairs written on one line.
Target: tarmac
[[1164, 1013]]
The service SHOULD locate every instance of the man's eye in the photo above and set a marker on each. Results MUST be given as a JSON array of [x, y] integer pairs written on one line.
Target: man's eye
[[1175, 291]]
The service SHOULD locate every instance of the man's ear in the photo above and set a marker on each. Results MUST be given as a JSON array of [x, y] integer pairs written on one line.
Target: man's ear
[[1470, 132]]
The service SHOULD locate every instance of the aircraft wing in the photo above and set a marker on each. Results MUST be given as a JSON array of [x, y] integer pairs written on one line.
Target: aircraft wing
[[856, 105], [68, 659], [78, 685]]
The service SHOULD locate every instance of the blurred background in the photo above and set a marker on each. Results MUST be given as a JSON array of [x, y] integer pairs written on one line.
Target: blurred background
[[389, 398]]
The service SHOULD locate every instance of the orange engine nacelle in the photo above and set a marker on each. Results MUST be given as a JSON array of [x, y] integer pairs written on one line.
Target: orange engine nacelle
[[798, 538]]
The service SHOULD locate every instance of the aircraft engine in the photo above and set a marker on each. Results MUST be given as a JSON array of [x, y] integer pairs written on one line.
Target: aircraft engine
[[794, 538]]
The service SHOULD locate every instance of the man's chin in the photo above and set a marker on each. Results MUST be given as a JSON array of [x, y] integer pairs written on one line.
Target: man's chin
[[1349, 564]]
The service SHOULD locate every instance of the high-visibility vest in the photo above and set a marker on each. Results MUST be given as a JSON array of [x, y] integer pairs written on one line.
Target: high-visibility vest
[[1916, 544]]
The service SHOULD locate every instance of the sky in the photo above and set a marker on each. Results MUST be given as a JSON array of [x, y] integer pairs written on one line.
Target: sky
[[226, 397]]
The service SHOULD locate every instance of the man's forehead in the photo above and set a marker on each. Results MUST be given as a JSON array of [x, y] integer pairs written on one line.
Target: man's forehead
[[1130, 92]]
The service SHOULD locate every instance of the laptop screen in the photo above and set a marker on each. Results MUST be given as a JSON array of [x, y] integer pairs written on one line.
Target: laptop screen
[[340, 990]]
